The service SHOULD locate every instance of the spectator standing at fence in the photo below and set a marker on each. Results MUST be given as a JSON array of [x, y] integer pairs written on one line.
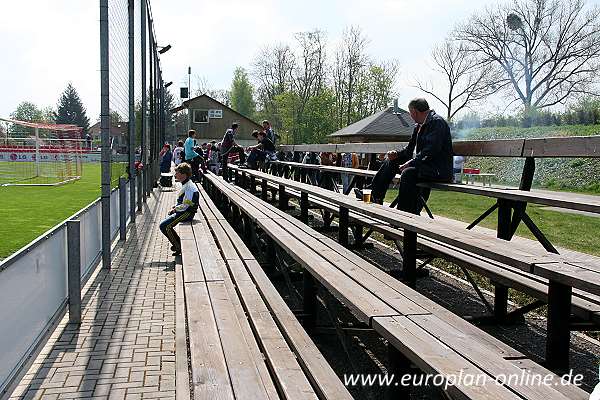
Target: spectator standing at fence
[[213, 157], [178, 153], [270, 133], [191, 157], [230, 146], [311, 158], [184, 210], [426, 158], [346, 163], [166, 159]]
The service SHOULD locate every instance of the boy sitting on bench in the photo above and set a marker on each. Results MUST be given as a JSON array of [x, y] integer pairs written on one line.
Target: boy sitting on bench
[[184, 210]]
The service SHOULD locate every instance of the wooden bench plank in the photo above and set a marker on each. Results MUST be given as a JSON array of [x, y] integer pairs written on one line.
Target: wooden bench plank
[[433, 357], [192, 267], [480, 356], [243, 372], [209, 370], [572, 146], [208, 256], [310, 358], [291, 378]]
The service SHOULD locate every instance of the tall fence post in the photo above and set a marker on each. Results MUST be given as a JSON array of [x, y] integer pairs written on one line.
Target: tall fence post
[[122, 208], [143, 58], [105, 130], [131, 125], [74, 271], [139, 182]]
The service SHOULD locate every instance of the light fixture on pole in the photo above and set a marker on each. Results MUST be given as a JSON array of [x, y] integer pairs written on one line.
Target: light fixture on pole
[[168, 84], [163, 49]]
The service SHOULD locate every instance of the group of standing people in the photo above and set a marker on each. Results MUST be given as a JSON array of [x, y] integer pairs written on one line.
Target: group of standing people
[[427, 157]]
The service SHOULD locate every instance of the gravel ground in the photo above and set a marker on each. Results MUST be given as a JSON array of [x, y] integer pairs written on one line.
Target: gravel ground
[[364, 351]]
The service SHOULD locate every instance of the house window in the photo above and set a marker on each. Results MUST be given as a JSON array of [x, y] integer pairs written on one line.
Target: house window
[[201, 116], [215, 113]]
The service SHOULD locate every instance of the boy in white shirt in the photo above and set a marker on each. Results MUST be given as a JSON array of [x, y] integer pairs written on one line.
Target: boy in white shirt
[[184, 210]]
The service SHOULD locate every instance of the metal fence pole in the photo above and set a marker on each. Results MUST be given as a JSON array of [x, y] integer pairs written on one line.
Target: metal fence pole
[[140, 195], [132, 180], [74, 271], [152, 123], [122, 208], [144, 57], [105, 131]]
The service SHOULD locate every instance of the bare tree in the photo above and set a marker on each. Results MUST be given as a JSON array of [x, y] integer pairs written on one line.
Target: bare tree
[[272, 71], [204, 87], [549, 50], [467, 78], [350, 60], [308, 78]]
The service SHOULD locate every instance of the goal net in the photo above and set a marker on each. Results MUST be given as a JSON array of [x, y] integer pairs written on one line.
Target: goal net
[[39, 154]]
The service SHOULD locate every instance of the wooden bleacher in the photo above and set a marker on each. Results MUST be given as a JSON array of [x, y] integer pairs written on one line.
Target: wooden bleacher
[[422, 332], [511, 202], [562, 273], [244, 342]]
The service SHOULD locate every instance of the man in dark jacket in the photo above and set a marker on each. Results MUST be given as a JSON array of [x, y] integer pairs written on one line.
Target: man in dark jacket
[[426, 158]]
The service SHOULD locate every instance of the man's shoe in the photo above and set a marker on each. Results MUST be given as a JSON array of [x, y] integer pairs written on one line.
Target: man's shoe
[[358, 193]]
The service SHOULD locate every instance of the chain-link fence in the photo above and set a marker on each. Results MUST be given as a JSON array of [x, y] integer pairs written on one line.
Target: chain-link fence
[[132, 113]]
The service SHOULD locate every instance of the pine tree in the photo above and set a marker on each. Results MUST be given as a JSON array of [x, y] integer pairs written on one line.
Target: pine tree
[[71, 110]]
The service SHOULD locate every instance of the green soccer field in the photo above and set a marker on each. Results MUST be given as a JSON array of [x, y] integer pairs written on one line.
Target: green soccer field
[[27, 212]]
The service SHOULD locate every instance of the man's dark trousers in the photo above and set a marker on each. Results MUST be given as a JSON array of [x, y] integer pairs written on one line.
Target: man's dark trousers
[[409, 193]]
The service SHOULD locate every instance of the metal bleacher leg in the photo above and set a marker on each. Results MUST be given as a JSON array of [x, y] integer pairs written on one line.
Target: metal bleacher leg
[[264, 189], [343, 227], [283, 199], [409, 258], [304, 207], [398, 365], [500, 302], [558, 327]]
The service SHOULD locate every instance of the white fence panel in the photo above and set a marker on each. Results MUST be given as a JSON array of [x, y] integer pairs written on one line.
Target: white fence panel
[[91, 237], [33, 289]]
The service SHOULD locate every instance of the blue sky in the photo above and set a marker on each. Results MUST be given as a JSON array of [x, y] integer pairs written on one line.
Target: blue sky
[[45, 44]]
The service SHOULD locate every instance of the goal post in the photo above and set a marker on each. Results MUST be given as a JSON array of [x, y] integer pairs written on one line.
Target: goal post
[[40, 154]]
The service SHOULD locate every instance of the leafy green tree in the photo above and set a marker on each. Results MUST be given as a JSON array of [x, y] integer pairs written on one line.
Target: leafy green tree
[[242, 93], [70, 109], [27, 111]]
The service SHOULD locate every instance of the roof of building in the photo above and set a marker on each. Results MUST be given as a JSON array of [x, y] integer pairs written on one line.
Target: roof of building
[[186, 104], [382, 123]]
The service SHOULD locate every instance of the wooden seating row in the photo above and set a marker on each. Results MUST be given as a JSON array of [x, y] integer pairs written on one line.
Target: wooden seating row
[[562, 274], [422, 332], [244, 342], [585, 306]]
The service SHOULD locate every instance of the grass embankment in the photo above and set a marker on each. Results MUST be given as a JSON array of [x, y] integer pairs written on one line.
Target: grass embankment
[[27, 212], [579, 174]]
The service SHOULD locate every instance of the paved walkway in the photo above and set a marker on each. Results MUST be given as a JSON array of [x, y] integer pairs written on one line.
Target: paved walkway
[[125, 346]]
